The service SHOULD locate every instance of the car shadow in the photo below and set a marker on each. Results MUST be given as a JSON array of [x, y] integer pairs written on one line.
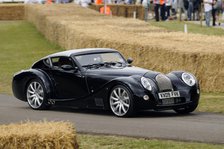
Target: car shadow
[[160, 114], [81, 111], [141, 114], [100, 112]]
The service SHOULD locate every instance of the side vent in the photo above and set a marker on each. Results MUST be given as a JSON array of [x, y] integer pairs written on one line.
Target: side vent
[[99, 102]]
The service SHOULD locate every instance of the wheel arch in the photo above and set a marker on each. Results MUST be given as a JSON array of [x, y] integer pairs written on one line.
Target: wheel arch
[[130, 83], [22, 79]]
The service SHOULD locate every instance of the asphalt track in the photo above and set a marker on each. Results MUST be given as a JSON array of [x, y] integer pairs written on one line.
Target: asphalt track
[[199, 127]]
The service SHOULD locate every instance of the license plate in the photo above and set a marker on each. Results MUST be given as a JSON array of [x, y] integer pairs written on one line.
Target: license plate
[[168, 101], [166, 95]]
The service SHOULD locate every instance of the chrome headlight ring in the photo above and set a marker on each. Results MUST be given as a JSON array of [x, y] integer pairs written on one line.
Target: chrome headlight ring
[[188, 79], [146, 84]]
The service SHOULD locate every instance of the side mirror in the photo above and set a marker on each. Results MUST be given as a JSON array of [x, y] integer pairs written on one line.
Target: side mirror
[[67, 67], [129, 60]]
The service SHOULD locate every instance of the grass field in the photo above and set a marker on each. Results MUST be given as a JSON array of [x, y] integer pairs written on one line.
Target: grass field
[[212, 102], [114, 142], [21, 44]]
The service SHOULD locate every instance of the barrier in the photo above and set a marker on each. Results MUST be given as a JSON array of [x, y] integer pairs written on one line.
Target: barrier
[[11, 11], [123, 10]]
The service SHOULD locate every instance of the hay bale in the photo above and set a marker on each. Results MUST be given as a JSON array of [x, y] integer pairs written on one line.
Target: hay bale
[[140, 12], [151, 47], [50, 135], [123, 10], [11, 12], [114, 9]]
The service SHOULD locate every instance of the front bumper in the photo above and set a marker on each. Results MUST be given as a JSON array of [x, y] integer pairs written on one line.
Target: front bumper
[[187, 97]]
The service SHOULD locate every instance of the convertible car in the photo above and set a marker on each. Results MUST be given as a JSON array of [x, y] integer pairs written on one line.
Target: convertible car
[[101, 78]]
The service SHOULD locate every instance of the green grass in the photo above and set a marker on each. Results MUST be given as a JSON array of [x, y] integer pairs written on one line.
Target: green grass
[[114, 142], [20, 46], [211, 102], [192, 28]]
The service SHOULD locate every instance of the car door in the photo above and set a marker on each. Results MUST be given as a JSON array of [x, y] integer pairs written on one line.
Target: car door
[[68, 81]]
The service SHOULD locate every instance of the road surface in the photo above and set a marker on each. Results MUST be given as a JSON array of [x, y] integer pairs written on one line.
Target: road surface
[[199, 127]]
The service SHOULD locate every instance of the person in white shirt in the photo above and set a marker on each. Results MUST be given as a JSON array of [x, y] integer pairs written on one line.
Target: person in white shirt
[[85, 3], [145, 4], [208, 9]]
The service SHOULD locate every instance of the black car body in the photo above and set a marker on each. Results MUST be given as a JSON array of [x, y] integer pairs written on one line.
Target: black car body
[[102, 78]]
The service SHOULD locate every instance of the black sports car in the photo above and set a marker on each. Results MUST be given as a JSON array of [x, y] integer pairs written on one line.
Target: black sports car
[[102, 78]]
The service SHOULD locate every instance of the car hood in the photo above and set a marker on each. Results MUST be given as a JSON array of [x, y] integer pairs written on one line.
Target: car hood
[[122, 72]]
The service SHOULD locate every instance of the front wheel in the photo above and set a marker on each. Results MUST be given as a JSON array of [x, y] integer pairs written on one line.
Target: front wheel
[[121, 101], [36, 95], [186, 110]]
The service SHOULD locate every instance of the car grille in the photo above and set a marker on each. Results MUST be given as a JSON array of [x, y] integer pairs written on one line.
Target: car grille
[[164, 83]]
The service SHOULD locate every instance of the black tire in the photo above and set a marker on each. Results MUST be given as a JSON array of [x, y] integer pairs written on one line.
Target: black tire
[[36, 95], [187, 109], [121, 101]]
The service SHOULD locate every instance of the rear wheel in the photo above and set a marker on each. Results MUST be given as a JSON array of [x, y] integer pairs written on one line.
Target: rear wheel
[[186, 110], [121, 101], [36, 95]]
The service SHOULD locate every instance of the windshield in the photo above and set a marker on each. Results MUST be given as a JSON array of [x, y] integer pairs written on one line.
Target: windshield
[[100, 59]]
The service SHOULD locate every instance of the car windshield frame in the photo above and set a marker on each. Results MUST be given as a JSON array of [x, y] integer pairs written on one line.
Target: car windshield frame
[[122, 61]]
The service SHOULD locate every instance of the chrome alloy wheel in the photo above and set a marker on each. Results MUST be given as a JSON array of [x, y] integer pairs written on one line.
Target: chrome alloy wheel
[[119, 101], [35, 95]]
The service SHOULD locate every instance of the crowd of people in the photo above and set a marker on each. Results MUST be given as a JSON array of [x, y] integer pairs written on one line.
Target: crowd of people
[[167, 9], [191, 8]]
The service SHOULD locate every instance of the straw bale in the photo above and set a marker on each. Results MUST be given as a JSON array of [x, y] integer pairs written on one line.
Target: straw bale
[[31, 135], [123, 10], [151, 47], [11, 12]]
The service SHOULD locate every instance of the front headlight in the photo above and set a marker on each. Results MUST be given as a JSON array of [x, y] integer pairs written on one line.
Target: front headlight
[[146, 84], [188, 79]]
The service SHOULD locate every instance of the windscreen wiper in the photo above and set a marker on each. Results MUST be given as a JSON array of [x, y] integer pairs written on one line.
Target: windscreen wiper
[[96, 65], [113, 63]]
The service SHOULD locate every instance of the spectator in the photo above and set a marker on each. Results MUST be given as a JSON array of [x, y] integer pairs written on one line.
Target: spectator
[[190, 9], [98, 2], [196, 10], [145, 4], [65, 1], [75, 1], [168, 7], [219, 10], [208, 9], [216, 8], [128, 2], [174, 7], [185, 8], [85, 3], [138, 2], [159, 4], [33, 1]]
